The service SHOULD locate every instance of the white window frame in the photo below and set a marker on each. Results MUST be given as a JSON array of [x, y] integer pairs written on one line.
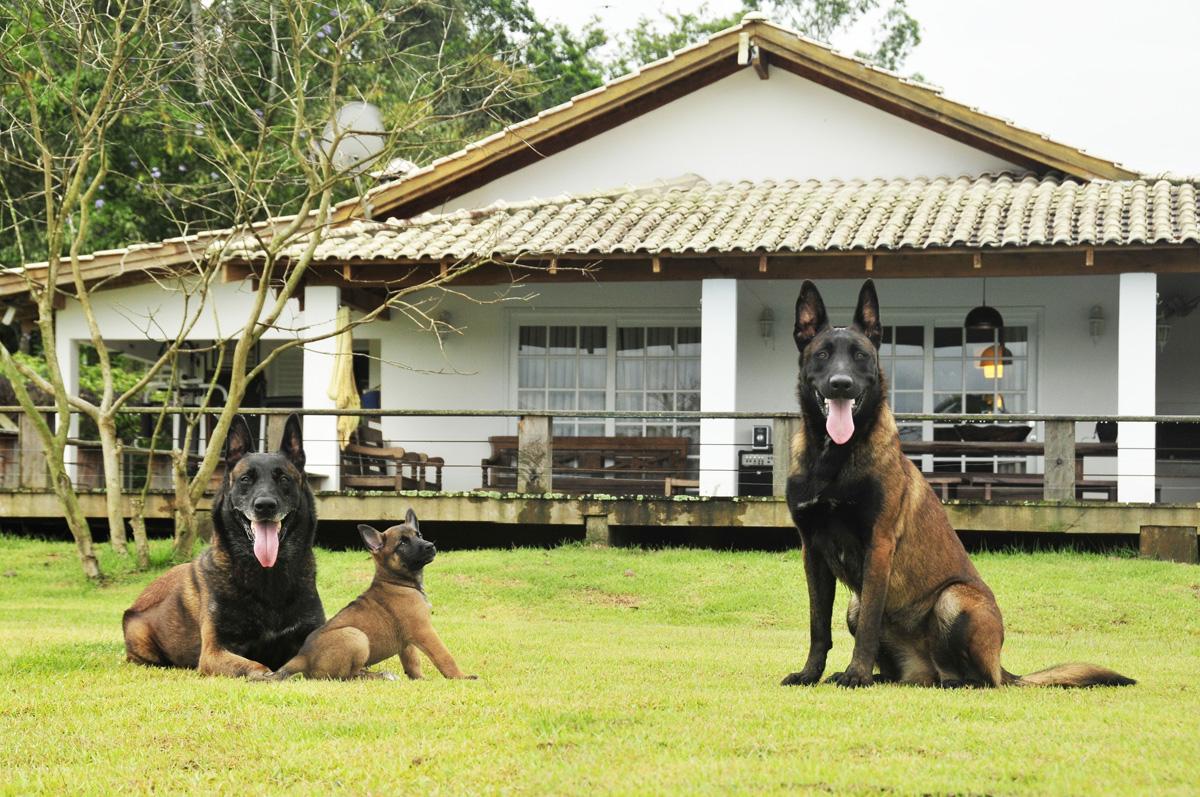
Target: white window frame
[[612, 318]]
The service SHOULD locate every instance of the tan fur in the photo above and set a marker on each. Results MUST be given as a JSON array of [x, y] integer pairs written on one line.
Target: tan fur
[[392, 617]]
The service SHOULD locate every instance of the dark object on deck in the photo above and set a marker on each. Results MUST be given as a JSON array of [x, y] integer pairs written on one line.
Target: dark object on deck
[[1106, 431], [368, 463], [994, 432], [608, 465], [1169, 544]]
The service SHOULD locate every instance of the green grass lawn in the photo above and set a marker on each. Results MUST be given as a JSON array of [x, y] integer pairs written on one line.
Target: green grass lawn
[[609, 671]]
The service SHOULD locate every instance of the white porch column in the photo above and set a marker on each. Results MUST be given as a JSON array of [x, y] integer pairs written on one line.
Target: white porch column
[[67, 350], [1137, 354], [320, 431], [718, 385]]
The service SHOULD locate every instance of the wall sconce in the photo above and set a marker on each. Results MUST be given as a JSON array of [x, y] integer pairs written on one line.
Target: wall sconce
[[1096, 322], [1162, 333], [766, 324]]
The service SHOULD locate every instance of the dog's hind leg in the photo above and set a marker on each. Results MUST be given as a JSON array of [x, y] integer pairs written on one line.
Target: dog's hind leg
[[140, 647], [340, 653], [968, 632]]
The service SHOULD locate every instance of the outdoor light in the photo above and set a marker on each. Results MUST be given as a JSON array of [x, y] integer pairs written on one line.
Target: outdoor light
[[984, 318], [766, 324], [1096, 322], [993, 359], [1161, 333]]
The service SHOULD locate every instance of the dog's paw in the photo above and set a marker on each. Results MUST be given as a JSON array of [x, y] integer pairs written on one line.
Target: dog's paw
[[852, 678], [264, 675], [471, 677], [802, 678]]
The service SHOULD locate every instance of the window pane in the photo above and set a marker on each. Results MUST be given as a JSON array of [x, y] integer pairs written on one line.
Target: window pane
[[980, 402], [593, 340], [660, 374], [563, 429], [660, 401], [909, 374], [689, 374], [533, 340], [660, 341], [591, 400], [627, 402], [1014, 376], [1014, 402], [885, 343], [947, 341], [947, 402], [910, 341], [561, 400], [562, 340], [947, 375], [531, 372], [631, 341], [659, 431], [908, 402], [593, 371], [689, 341], [562, 372], [531, 400], [629, 430], [629, 374], [687, 402], [983, 336], [591, 429]]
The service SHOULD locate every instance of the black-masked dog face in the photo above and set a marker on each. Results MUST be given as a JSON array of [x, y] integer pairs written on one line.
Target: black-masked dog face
[[265, 492], [839, 366], [400, 551]]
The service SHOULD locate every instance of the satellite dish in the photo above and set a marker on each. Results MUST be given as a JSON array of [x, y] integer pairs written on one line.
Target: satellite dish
[[354, 138]]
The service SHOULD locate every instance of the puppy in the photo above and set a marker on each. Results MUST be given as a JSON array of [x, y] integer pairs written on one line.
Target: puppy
[[391, 617]]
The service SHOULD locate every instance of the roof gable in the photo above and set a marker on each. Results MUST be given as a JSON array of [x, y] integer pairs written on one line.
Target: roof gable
[[694, 67]]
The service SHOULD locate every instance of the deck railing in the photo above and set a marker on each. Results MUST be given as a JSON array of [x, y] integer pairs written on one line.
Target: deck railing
[[1052, 465]]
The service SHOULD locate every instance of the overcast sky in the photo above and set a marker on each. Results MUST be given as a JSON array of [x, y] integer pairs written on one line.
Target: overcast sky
[[1118, 79]]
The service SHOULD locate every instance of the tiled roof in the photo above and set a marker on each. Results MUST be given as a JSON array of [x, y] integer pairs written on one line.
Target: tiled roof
[[694, 216]]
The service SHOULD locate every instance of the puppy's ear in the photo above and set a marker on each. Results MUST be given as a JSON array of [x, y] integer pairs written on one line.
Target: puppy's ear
[[371, 537], [866, 315], [410, 518], [238, 442], [811, 318], [292, 445]]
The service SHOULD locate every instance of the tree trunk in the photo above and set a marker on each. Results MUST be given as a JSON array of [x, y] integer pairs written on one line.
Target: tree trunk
[[186, 529], [76, 522], [110, 450], [137, 522]]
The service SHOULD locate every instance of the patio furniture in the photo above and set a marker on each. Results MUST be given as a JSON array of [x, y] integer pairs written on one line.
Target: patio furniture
[[610, 465], [369, 463]]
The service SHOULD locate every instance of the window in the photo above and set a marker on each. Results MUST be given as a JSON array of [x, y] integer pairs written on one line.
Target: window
[[653, 367], [963, 371]]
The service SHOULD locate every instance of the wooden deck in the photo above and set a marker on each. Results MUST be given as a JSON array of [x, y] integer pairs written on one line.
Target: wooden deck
[[599, 513]]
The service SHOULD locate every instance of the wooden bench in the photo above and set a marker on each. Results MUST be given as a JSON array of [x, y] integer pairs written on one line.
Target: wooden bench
[[609, 465], [369, 464]]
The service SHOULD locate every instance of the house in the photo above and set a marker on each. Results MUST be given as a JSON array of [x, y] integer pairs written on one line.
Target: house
[[661, 226]]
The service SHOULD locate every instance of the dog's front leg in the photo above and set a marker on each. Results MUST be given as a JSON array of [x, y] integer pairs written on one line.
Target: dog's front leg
[[821, 587], [216, 660], [428, 641], [877, 573]]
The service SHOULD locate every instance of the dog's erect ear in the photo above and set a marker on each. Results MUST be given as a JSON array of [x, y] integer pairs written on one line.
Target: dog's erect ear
[[866, 315], [810, 315], [292, 445], [410, 518], [238, 442], [371, 537]]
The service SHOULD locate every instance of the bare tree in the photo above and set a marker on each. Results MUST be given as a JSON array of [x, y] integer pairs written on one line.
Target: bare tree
[[252, 84]]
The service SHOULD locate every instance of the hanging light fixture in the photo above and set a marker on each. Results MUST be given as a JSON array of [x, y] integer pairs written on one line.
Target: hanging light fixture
[[993, 359], [984, 318]]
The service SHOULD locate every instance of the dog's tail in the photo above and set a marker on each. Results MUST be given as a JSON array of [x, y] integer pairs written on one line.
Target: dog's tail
[[1073, 675]]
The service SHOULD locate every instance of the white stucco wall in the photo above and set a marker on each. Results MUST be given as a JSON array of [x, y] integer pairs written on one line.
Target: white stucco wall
[[743, 128]]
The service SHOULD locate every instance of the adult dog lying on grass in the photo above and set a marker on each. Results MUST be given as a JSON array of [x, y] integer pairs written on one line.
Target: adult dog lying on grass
[[245, 605], [919, 609], [392, 617]]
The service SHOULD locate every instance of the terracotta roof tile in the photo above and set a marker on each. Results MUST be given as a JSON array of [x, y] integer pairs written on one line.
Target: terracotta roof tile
[[694, 216]]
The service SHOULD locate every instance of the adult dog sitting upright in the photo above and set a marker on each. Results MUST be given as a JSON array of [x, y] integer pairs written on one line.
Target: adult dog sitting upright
[[919, 609], [245, 605]]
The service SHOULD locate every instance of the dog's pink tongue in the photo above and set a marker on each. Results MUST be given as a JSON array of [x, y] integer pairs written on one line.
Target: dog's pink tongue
[[266, 541], [840, 423]]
